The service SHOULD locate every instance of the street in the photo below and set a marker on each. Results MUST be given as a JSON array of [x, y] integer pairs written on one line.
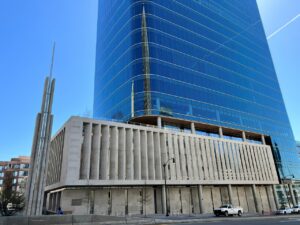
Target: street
[[249, 221]]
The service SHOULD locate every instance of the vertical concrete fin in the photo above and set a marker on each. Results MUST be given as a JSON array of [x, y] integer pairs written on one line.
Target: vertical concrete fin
[[122, 154], [104, 152], [163, 148], [209, 159], [217, 150], [171, 155], [129, 154], [150, 156], [190, 173], [113, 153], [204, 159], [177, 159], [182, 158], [213, 157], [137, 155], [144, 158], [95, 152]]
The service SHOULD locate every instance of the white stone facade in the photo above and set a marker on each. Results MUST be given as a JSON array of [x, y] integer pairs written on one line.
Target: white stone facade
[[110, 168]]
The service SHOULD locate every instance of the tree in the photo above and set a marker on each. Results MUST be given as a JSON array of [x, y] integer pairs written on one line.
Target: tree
[[8, 180], [8, 195]]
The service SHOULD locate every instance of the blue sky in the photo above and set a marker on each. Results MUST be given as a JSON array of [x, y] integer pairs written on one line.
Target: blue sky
[[28, 29]]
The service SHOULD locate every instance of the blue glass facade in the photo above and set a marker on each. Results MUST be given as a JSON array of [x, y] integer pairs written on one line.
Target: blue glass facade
[[203, 60]]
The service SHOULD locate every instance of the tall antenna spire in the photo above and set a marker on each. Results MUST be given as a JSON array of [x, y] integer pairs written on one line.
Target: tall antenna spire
[[52, 61], [36, 182], [132, 98], [146, 65]]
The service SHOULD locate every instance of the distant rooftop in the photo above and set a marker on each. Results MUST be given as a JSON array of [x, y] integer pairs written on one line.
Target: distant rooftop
[[18, 159]]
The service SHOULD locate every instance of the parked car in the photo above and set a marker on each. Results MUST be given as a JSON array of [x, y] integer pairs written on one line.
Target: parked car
[[11, 206], [227, 210], [296, 209], [7, 210], [284, 210]]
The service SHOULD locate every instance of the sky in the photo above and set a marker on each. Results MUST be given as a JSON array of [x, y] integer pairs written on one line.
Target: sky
[[29, 28]]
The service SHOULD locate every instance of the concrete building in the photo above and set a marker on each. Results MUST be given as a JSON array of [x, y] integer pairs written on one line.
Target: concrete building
[[110, 168], [19, 168]]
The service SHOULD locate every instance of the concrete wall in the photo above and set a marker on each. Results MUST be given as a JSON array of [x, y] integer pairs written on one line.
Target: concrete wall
[[249, 196], [101, 202], [195, 200], [118, 202], [207, 200], [117, 169], [224, 195], [216, 197], [235, 197], [241, 193], [80, 201], [106, 153], [174, 201], [135, 204], [148, 200], [55, 158]]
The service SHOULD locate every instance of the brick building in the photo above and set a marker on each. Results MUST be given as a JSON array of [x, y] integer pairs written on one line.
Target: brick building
[[19, 167]]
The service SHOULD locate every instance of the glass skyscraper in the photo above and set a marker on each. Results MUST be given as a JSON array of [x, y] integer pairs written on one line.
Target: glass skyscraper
[[199, 60]]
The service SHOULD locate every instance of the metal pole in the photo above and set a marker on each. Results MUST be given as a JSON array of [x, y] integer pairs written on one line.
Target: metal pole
[[190, 196], [166, 193], [167, 212]]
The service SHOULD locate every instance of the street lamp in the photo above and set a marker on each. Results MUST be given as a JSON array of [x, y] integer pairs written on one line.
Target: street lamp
[[164, 165]]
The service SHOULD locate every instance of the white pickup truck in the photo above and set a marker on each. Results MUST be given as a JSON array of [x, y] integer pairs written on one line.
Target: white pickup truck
[[227, 210]]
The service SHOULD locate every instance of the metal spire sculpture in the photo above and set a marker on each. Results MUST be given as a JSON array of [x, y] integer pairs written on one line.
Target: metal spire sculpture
[[40, 148], [132, 99], [146, 65]]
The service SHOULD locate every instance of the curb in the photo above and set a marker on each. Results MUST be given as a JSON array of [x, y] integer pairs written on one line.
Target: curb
[[148, 221], [136, 221], [162, 221]]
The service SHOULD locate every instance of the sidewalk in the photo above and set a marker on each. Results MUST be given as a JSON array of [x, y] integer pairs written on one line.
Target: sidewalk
[[162, 219], [132, 220]]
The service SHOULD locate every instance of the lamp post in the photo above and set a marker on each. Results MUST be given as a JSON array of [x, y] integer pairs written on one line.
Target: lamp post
[[164, 165]]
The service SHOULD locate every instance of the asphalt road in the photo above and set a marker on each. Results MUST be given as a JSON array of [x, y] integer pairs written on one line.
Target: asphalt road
[[263, 221]]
